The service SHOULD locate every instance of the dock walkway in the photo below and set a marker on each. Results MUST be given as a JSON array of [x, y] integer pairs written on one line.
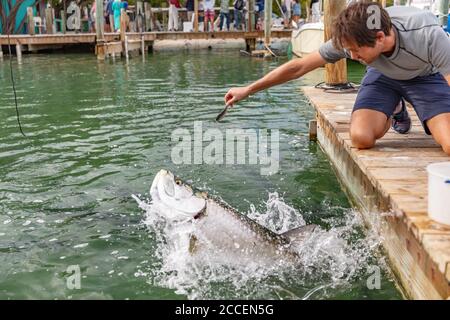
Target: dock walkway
[[90, 38], [389, 183], [116, 43]]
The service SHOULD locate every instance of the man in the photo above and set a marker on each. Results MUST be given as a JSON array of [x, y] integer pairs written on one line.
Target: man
[[287, 5], [238, 13], [209, 14], [190, 9], [296, 11], [407, 56], [109, 21], [224, 14], [314, 8], [259, 17], [173, 15]]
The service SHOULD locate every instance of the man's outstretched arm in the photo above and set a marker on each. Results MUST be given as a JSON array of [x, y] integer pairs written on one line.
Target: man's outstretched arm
[[289, 71]]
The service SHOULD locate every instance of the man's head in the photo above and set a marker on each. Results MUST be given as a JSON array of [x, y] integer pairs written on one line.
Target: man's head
[[362, 29]]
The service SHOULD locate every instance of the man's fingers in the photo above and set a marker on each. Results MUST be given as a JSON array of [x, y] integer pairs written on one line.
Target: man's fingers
[[231, 101], [228, 96]]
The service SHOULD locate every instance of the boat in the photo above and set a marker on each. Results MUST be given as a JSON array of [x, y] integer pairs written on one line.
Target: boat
[[307, 39]]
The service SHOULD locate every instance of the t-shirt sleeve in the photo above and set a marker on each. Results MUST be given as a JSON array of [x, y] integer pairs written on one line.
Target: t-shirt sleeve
[[440, 50], [330, 54]]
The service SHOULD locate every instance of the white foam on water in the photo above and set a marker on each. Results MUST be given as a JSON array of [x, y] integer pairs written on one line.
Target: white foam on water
[[326, 259], [278, 216], [81, 245]]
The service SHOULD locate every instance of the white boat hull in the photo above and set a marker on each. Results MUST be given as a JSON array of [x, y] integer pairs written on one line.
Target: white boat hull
[[307, 39]]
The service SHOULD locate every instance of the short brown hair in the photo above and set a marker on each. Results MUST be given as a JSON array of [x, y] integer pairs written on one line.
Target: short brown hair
[[352, 25]]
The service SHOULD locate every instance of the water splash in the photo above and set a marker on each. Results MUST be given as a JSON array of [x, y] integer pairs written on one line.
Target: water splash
[[332, 258], [278, 216]]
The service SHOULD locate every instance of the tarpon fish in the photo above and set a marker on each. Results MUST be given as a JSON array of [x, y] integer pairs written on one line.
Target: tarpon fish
[[220, 226]]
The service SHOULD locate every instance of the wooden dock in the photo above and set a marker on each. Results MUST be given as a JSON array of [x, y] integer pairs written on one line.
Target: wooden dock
[[90, 38], [48, 41], [389, 183]]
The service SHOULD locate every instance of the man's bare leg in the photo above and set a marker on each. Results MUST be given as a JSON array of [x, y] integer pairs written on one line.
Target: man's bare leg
[[440, 129], [367, 126]]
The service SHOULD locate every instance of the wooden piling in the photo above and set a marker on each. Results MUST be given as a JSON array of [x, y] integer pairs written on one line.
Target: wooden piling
[[19, 52], [111, 23], [123, 37], [251, 12], [164, 17], [313, 130], [140, 17], [64, 21], [196, 16], [267, 21], [250, 44], [123, 25], [99, 26], [143, 48], [126, 48], [49, 21], [148, 16], [100, 46], [30, 21], [334, 73]]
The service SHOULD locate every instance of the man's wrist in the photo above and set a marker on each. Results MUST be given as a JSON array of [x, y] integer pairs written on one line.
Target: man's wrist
[[250, 90]]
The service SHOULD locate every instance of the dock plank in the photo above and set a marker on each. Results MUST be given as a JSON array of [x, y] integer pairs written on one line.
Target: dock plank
[[391, 177]]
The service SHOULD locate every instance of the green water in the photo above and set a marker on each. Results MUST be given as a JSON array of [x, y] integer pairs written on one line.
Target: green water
[[97, 132]]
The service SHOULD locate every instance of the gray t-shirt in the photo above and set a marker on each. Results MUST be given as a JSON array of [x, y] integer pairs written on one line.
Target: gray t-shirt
[[422, 47], [224, 6]]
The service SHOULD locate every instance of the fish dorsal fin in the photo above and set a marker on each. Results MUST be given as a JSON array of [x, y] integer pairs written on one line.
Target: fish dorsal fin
[[300, 233]]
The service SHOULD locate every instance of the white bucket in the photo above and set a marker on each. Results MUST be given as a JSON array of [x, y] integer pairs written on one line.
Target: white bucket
[[439, 192]]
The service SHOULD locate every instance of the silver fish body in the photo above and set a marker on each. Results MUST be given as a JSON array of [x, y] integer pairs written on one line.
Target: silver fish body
[[220, 227]]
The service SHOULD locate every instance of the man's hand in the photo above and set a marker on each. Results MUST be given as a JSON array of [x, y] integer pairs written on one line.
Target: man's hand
[[289, 71], [236, 94], [447, 77]]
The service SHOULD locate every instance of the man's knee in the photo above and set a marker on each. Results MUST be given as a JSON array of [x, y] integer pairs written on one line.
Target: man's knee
[[362, 139]]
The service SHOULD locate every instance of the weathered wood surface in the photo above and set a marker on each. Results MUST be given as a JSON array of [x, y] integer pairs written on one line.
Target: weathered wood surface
[[389, 182], [335, 73], [30, 22]]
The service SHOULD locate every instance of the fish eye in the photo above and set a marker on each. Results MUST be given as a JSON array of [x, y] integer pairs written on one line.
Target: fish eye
[[178, 182]]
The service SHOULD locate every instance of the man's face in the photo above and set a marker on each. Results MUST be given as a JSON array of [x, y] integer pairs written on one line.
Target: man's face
[[364, 54]]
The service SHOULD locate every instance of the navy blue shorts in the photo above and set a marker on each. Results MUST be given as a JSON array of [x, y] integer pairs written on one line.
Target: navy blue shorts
[[429, 95]]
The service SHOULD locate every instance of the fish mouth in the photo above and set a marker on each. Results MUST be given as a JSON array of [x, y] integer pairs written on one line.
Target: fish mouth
[[178, 199]]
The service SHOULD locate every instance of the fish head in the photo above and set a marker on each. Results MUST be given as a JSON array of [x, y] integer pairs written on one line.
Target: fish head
[[178, 199]]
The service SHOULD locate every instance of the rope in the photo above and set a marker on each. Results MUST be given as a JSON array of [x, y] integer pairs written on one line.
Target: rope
[[271, 52], [348, 87], [12, 78]]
